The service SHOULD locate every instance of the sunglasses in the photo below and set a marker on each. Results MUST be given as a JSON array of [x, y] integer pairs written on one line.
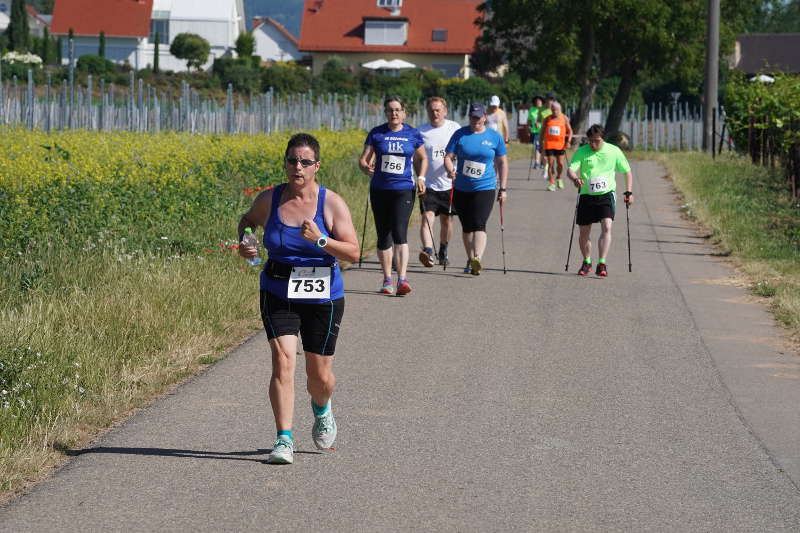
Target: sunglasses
[[305, 162]]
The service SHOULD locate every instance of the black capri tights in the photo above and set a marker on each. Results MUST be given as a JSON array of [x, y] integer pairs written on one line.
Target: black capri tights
[[392, 210], [473, 208]]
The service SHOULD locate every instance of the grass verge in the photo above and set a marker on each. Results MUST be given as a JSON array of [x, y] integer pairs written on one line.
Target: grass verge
[[750, 214], [92, 331]]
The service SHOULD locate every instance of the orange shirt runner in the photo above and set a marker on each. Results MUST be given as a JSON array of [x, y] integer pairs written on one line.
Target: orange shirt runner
[[555, 132]]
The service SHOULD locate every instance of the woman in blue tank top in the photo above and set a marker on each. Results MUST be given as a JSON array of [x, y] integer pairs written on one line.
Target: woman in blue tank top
[[390, 151], [307, 229]]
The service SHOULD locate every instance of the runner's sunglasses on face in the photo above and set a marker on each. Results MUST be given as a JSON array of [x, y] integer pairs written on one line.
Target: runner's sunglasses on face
[[305, 162]]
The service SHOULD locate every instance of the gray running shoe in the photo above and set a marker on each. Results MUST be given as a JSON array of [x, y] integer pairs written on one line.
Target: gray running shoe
[[324, 431], [282, 452]]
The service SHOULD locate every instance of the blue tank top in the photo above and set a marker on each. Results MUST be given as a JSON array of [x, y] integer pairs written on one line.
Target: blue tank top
[[286, 244]]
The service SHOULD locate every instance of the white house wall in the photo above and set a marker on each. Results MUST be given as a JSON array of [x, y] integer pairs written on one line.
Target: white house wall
[[218, 33], [118, 49], [217, 21], [272, 45]]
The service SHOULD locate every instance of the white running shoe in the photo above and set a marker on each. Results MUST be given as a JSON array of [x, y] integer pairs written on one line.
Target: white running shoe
[[282, 452], [324, 431]]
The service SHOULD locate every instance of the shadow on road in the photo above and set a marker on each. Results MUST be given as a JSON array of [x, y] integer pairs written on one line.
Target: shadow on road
[[171, 452]]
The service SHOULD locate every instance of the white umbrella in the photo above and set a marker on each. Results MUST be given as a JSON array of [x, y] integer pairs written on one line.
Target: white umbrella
[[399, 63], [763, 78], [377, 64]]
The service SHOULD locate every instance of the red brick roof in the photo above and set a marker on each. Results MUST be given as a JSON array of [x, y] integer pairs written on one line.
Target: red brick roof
[[117, 18], [338, 26]]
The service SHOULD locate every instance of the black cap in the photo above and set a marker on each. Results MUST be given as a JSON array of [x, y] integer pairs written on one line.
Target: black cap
[[477, 109], [550, 96]]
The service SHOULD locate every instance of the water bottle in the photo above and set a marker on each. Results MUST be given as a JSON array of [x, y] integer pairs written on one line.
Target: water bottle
[[250, 239]]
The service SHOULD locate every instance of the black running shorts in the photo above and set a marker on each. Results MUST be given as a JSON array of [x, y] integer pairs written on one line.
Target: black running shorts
[[317, 324], [392, 210], [554, 153], [474, 208], [592, 209], [438, 202]]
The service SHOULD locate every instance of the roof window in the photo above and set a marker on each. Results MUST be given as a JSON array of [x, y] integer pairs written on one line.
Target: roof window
[[385, 32], [439, 36], [390, 3]]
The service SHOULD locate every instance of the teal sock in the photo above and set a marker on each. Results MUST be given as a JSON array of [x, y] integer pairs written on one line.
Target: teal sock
[[587, 260], [319, 411], [285, 433], [601, 260]]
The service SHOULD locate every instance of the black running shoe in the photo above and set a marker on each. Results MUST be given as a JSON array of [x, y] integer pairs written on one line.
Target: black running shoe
[[601, 270], [586, 269], [442, 256]]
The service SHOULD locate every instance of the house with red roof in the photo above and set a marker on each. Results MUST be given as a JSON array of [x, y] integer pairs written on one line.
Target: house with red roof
[[131, 26], [273, 41], [429, 34], [37, 22]]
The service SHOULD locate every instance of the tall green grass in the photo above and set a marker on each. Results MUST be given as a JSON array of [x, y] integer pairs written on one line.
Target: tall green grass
[[752, 216], [92, 327]]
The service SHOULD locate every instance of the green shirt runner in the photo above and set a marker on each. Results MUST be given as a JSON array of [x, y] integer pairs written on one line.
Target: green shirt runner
[[533, 117], [598, 168]]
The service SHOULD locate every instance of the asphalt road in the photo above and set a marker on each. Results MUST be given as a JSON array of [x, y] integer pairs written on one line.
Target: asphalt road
[[657, 400]]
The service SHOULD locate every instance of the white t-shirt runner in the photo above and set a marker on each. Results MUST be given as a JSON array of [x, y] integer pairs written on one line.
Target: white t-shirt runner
[[436, 140]]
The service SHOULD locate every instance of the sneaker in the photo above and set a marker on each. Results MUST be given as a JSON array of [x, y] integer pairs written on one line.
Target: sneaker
[[282, 452], [387, 286], [560, 183], [442, 256], [551, 187], [324, 431], [475, 266], [467, 269], [403, 287], [426, 257], [586, 269], [601, 271]]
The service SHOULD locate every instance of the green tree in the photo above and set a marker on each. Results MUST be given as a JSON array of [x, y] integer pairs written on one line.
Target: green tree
[[774, 16], [245, 45], [335, 78], [19, 35], [156, 59], [285, 78], [192, 48], [571, 42], [101, 50]]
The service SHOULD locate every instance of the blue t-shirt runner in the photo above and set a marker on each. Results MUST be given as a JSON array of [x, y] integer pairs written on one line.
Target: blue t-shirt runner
[[394, 151], [476, 153]]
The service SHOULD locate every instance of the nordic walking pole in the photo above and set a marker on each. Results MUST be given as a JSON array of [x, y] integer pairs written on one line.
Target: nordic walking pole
[[533, 153], [572, 232], [502, 237], [628, 219], [425, 220], [363, 233], [450, 218]]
